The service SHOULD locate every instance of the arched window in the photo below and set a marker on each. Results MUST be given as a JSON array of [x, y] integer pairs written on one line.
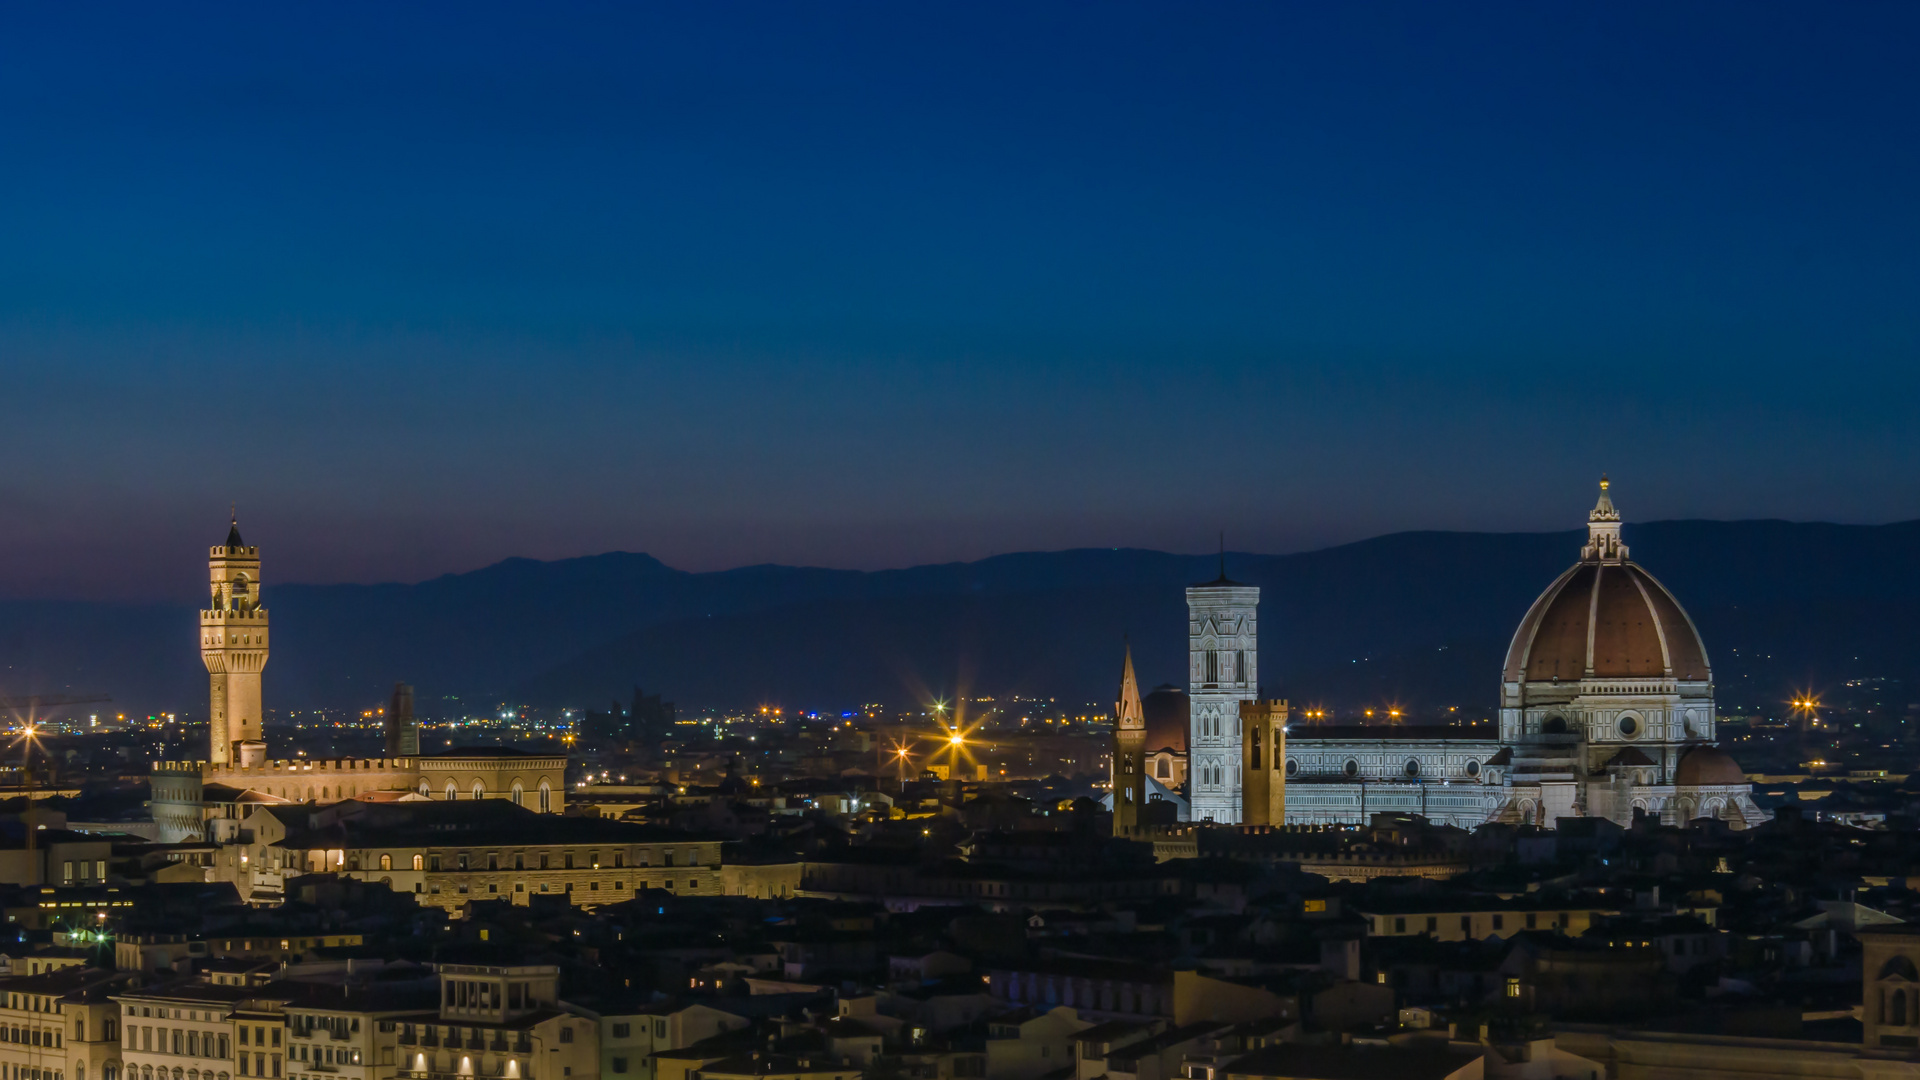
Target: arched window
[[1897, 1009], [419, 863], [386, 862], [1901, 967], [1164, 770], [323, 793], [546, 798], [453, 791], [519, 794], [479, 790], [1253, 756], [1555, 725], [425, 789]]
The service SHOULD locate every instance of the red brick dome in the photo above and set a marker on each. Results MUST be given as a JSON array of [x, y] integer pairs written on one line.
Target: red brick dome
[[1707, 765], [1606, 618], [1167, 715]]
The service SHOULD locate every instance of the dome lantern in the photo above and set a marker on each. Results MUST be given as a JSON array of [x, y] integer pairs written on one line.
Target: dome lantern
[[1603, 530]]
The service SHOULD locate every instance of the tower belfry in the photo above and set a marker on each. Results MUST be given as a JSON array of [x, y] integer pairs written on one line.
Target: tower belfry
[[1223, 651], [233, 644]]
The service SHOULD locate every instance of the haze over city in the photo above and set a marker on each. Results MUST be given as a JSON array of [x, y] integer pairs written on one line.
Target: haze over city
[[424, 288]]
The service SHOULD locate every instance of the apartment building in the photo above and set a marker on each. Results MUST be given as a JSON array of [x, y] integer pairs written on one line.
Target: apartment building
[[181, 1030], [60, 1025], [353, 1032], [450, 853], [631, 1034], [498, 1021]]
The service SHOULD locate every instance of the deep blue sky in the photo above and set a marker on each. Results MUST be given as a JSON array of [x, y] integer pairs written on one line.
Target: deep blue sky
[[877, 285]]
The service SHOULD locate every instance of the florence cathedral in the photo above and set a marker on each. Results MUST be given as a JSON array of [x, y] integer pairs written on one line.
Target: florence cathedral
[[1606, 710]]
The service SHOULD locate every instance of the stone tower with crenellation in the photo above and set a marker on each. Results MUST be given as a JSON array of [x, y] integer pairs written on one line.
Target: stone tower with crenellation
[[233, 643]]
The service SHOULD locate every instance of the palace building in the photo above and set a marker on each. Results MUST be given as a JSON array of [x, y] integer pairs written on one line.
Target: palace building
[[206, 800], [1606, 710]]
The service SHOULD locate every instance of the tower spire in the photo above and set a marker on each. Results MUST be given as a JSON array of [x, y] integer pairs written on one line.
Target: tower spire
[[233, 527], [1129, 758], [1127, 712], [1603, 529]]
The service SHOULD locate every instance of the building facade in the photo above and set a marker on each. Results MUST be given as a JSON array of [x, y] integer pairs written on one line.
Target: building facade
[[187, 1029], [60, 1025]]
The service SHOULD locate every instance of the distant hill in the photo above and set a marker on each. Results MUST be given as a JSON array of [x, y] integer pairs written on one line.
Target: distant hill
[[1422, 618]]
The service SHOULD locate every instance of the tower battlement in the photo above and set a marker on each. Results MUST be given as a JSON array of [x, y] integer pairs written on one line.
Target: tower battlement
[[215, 770]]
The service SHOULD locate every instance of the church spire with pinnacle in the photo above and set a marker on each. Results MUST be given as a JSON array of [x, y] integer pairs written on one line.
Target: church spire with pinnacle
[[1127, 713], [1129, 785], [1603, 530]]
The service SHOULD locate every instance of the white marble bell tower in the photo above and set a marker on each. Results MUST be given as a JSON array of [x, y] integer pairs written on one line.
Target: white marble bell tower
[[1223, 671]]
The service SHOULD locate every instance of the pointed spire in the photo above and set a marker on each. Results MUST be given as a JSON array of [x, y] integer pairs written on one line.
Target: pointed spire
[[1127, 712], [1603, 530], [233, 527]]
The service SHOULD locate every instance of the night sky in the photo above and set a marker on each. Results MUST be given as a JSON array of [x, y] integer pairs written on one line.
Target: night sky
[[422, 288]]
